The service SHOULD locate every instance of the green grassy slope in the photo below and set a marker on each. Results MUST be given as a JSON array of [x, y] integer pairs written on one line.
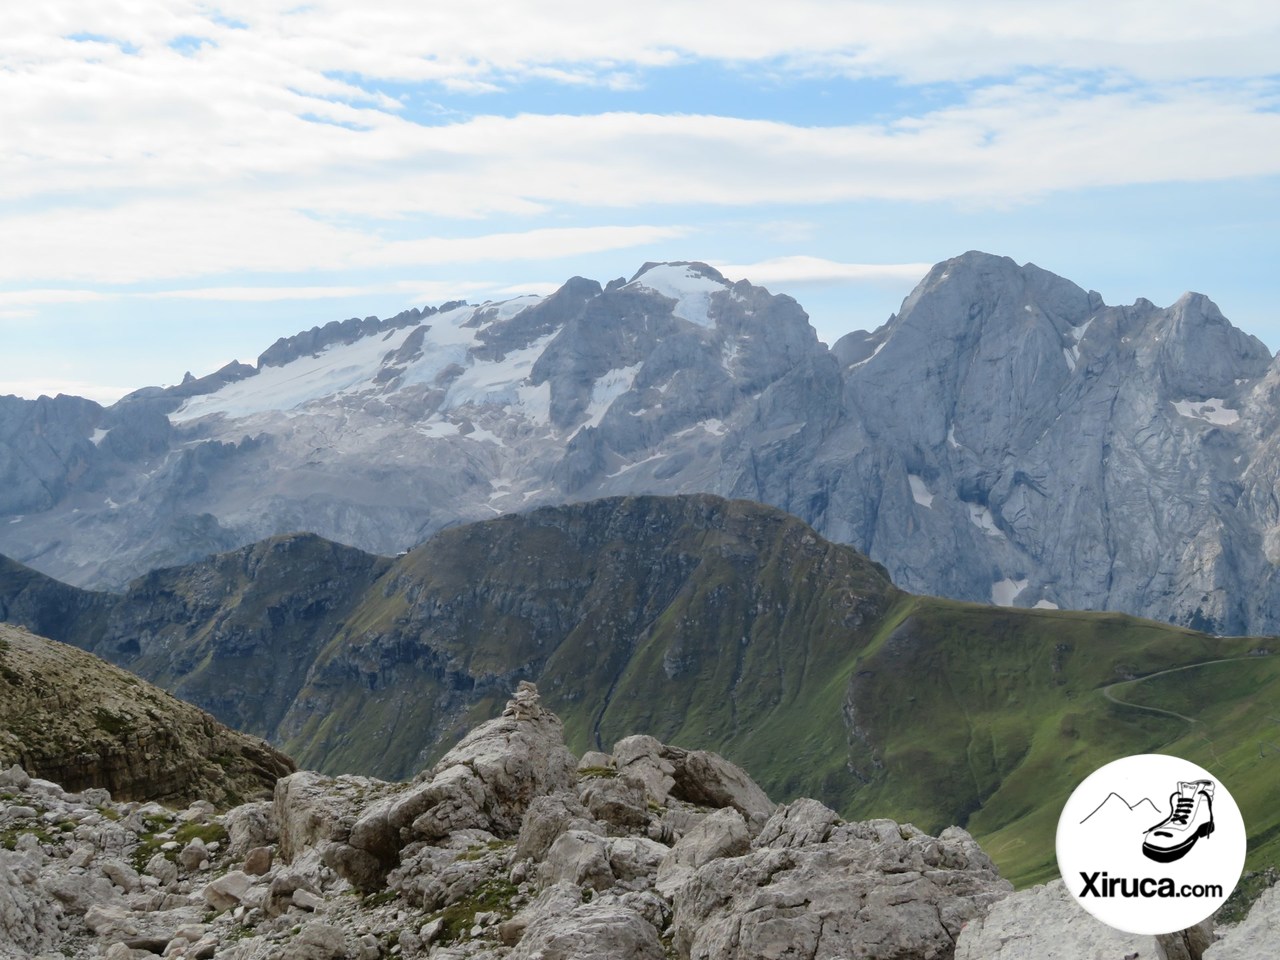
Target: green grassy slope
[[990, 718], [713, 624]]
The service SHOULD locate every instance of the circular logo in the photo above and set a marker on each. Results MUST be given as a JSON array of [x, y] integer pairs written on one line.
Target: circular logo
[[1151, 844]]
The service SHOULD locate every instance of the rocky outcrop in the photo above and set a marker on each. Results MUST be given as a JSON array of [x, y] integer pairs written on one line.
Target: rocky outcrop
[[486, 783], [500, 840], [1046, 921], [1255, 936], [84, 875], [68, 716]]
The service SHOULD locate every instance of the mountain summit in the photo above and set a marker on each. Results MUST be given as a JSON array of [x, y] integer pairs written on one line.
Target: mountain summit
[[1006, 437]]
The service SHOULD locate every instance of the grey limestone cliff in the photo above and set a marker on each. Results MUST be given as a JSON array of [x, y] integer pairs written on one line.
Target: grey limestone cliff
[[1006, 437]]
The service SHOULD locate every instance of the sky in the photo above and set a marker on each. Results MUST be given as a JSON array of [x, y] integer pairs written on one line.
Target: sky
[[184, 182]]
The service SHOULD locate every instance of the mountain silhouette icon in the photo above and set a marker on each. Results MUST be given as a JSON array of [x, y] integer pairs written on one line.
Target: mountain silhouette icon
[[1117, 807]]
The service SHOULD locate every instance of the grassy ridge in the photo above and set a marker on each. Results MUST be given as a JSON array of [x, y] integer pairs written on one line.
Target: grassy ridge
[[990, 718], [708, 623]]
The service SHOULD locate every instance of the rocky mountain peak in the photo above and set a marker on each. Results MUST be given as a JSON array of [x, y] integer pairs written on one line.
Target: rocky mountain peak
[[997, 417], [691, 269]]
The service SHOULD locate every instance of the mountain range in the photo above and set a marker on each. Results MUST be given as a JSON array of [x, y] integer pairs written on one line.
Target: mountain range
[[1005, 438], [700, 621]]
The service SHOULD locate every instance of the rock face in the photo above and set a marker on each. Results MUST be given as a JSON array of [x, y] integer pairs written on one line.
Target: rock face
[[83, 875], [1255, 936], [870, 889], [66, 715], [1044, 921], [1005, 437], [506, 823]]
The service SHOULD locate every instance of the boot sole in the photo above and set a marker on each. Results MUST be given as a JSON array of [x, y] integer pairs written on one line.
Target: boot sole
[[1169, 854]]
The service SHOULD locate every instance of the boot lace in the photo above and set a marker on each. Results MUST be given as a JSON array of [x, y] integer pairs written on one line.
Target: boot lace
[[1182, 810]]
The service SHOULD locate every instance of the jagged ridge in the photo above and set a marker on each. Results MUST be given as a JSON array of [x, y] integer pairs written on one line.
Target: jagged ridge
[[1006, 437]]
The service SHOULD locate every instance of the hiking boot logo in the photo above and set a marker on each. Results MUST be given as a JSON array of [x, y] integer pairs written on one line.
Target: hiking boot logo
[[1190, 818]]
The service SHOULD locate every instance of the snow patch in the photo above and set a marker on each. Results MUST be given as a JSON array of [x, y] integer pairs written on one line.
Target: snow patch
[[337, 369], [1044, 604], [495, 381], [608, 388], [436, 429], [1213, 410], [690, 289], [631, 466], [1076, 334], [1004, 592], [352, 369], [919, 492], [879, 346], [535, 401], [982, 518], [712, 426], [481, 435], [98, 434], [506, 309], [951, 437]]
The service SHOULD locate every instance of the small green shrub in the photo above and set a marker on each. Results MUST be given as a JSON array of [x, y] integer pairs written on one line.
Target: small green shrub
[[493, 895]]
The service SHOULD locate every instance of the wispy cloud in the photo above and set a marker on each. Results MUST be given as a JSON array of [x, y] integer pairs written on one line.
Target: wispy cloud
[[805, 269], [271, 151]]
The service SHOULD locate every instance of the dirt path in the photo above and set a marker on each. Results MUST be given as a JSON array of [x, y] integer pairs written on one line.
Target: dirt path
[[1106, 691]]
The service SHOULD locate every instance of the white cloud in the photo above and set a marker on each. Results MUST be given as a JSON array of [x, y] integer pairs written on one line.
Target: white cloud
[[46, 296], [1008, 144], [271, 147], [503, 40], [150, 240], [803, 269]]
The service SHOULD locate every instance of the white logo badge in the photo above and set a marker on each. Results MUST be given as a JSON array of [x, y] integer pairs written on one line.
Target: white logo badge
[[1151, 844]]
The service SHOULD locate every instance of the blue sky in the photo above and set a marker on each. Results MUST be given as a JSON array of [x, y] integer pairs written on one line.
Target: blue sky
[[182, 182]]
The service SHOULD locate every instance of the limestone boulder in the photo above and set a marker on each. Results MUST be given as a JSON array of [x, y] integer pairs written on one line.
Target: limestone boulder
[[618, 802], [28, 916], [798, 824], [489, 779], [868, 891], [248, 826], [580, 858], [603, 929], [722, 834], [547, 818], [709, 780], [1258, 935], [641, 758], [486, 782]]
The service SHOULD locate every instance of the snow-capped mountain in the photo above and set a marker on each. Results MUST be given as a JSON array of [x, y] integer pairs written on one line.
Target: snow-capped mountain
[[1006, 437]]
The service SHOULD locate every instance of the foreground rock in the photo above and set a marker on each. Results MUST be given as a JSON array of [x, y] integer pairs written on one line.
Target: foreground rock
[[508, 848]]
